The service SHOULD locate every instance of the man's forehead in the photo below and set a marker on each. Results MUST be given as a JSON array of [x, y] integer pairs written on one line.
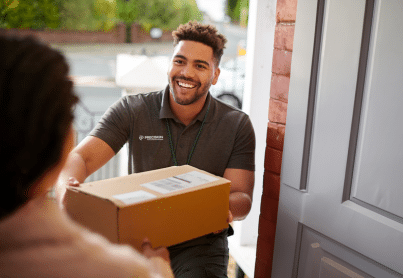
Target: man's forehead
[[193, 50]]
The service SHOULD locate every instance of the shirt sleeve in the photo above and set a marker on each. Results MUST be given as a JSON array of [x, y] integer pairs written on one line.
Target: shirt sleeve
[[243, 154], [114, 126]]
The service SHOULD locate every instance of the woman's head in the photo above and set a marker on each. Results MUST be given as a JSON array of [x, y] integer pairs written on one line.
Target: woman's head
[[36, 101]]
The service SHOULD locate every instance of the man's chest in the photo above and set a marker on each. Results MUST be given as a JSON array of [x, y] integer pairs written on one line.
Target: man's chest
[[166, 144]]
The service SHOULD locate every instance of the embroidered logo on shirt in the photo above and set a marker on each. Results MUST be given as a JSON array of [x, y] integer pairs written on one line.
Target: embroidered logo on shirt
[[151, 138]]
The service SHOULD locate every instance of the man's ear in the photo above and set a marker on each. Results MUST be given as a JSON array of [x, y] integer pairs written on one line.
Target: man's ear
[[216, 75]]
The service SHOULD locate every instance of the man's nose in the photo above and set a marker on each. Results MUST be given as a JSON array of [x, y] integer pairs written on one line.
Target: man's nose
[[188, 71]]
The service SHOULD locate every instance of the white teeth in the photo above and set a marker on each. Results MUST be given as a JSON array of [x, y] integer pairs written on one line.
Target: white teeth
[[185, 85]]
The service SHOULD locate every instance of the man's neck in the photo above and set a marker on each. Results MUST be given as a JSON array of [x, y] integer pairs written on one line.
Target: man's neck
[[186, 113]]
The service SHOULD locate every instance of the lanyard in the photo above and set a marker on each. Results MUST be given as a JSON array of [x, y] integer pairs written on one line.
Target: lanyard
[[171, 145]]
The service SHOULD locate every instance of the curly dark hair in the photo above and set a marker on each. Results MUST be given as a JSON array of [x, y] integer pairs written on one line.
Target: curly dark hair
[[204, 33], [36, 101]]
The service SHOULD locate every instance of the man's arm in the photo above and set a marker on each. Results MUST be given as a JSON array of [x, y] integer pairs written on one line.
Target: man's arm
[[241, 193], [90, 155]]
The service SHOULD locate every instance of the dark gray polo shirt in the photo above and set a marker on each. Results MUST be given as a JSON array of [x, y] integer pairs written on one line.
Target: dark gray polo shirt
[[227, 139]]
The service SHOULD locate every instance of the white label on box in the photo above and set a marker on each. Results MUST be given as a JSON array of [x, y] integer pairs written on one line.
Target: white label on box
[[179, 182], [134, 197]]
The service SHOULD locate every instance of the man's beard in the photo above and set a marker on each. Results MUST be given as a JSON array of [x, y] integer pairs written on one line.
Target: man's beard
[[199, 92]]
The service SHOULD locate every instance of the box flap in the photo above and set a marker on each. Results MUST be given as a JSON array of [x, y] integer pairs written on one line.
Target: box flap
[[85, 209]]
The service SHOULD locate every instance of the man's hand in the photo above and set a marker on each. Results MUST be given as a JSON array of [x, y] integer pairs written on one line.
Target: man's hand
[[150, 252], [230, 218], [60, 190], [73, 182], [240, 197]]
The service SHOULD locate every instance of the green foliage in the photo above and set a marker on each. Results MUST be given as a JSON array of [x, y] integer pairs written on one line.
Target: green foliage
[[164, 14], [236, 10], [93, 15], [242, 11], [105, 14], [3, 9], [88, 15], [231, 4], [186, 11], [129, 12], [29, 14], [77, 15], [158, 13]]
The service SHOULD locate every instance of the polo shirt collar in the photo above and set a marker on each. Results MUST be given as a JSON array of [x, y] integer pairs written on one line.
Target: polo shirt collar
[[166, 111]]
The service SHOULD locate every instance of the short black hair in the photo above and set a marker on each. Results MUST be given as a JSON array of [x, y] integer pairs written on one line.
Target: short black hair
[[203, 33], [36, 101]]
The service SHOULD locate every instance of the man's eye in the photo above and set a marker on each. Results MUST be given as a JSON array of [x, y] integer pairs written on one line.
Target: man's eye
[[178, 62], [200, 66]]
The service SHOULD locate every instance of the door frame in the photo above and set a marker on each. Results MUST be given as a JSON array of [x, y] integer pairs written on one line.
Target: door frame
[[297, 146]]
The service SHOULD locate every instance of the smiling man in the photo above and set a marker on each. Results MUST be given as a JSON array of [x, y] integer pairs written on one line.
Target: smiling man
[[182, 124], [192, 71], [193, 64]]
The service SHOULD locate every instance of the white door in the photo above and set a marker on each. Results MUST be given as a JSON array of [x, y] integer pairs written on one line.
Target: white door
[[341, 197]]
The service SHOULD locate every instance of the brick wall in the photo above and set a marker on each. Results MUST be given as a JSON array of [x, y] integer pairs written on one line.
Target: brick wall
[[280, 79], [138, 35], [116, 35]]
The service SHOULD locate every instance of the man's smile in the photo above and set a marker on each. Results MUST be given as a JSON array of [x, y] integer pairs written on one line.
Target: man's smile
[[185, 85]]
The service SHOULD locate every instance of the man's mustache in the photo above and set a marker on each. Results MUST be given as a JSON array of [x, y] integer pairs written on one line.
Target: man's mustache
[[183, 78]]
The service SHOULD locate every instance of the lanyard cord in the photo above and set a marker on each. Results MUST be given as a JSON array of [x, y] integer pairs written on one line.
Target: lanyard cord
[[171, 145]]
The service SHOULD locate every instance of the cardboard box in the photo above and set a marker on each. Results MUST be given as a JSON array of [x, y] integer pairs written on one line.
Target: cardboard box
[[168, 206]]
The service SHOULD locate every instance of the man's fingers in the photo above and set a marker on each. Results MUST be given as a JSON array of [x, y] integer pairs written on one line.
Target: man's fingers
[[150, 252], [146, 245], [73, 182], [230, 217]]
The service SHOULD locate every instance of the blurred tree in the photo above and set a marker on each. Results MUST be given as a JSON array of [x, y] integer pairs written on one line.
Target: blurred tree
[[159, 14], [242, 9], [231, 5], [30, 14], [105, 14], [186, 10], [238, 11], [129, 12], [77, 15], [93, 15], [163, 14], [4, 6]]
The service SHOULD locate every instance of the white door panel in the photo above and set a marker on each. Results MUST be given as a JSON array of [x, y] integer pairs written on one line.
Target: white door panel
[[351, 158], [379, 161]]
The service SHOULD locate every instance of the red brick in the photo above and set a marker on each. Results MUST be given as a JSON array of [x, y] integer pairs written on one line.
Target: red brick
[[284, 36], [275, 135], [263, 268], [264, 246], [271, 185], [286, 10], [273, 160], [282, 62], [280, 86], [268, 209], [277, 111], [116, 35], [139, 35], [264, 257]]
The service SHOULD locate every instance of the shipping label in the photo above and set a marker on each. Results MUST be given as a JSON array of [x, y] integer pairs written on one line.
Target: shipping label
[[179, 182]]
